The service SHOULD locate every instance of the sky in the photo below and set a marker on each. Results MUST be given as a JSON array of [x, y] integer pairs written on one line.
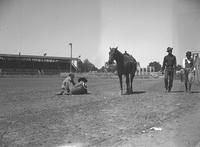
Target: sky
[[186, 30], [144, 28]]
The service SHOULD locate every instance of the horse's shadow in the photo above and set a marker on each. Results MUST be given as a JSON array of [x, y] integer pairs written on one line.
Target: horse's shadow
[[134, 92], [184, 91]]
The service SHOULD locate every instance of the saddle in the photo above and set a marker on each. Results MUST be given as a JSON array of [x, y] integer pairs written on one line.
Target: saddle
[[128, 58]]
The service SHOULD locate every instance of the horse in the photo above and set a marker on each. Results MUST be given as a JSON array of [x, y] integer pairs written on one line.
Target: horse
[[126, 65]]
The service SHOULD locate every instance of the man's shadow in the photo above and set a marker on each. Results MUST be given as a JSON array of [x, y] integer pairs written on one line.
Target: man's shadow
[[180, 91], [195, 92], [135, 92]]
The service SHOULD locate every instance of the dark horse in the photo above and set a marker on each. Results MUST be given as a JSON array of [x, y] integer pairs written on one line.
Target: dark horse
[[126, 65]]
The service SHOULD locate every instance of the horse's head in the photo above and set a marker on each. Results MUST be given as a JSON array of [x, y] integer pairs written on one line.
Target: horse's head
[[112, 55]]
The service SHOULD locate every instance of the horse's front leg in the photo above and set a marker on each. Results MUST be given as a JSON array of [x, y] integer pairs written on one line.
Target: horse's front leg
[[132, 76], [127, 84], [120, 81]]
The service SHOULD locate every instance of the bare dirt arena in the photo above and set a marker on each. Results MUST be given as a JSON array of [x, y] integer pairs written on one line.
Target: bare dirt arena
[[31, 115]]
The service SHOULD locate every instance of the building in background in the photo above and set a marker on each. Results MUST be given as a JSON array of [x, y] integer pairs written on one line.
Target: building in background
[[29, 64]]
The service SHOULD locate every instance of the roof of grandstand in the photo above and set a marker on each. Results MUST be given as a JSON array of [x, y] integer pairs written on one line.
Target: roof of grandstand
[[37, 57]]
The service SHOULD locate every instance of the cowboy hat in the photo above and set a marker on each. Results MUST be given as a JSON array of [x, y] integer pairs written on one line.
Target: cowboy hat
[[169, 49], [188, 53], [82, 79]]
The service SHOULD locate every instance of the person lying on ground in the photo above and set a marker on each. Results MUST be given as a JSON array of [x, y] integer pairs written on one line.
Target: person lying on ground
[[80, 87]]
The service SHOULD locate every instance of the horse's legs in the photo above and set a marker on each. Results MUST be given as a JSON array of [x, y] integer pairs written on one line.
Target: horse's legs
[[120, 81], [132, 76], [127, 84]]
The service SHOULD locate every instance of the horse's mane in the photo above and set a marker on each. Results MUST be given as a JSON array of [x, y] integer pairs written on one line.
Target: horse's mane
[[119, 53], [120, 56]]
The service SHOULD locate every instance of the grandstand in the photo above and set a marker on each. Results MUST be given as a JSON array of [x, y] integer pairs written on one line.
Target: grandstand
[[30, 64]]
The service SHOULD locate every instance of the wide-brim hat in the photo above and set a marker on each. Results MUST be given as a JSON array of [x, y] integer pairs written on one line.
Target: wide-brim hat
[[169, 49], [82, 79], [188, 53]]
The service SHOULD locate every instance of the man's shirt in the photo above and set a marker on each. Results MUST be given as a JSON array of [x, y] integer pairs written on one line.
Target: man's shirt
[[67, 81], [169, 62], [188, 63]]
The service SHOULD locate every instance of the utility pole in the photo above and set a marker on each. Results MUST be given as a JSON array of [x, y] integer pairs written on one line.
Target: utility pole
[[70, 57]]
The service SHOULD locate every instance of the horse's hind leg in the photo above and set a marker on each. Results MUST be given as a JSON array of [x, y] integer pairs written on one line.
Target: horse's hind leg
[[120, 81], [132, 76], [127, 84]]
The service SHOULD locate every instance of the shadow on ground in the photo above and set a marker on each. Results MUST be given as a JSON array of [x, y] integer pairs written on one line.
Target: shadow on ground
[[139, 92], [135, 92], [195, 91], [184, 91], [177, 91]]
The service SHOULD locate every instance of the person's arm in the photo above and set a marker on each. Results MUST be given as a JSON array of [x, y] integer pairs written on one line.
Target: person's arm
[[174, 63], [183, 63], [77, 85], [63, 83], [72, 81]]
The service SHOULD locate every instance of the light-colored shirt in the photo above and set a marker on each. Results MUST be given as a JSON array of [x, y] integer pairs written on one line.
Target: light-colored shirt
[[66, 82], [188, 63]]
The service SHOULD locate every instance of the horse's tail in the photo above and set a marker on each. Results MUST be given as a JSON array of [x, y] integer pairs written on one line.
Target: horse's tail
[[133, 66]]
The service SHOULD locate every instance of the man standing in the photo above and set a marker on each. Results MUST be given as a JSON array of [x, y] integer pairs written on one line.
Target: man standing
[[188, 65], [168, 68]]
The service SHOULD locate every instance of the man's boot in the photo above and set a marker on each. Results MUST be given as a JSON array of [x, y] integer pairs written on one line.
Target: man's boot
[[169, 89], [166, 85], [190, 85]]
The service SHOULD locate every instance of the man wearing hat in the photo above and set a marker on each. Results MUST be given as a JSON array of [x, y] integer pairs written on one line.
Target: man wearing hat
[[168, 68], [188, 66]]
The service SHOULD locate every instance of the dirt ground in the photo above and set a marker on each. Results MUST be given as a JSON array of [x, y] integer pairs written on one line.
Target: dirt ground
[[31, 115]]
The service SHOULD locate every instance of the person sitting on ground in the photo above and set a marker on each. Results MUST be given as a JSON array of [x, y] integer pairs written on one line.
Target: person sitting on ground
[[80, 87], [66, 84], [188, 65]]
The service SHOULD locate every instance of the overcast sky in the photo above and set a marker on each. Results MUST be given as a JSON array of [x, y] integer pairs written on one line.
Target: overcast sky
[[144, 28]]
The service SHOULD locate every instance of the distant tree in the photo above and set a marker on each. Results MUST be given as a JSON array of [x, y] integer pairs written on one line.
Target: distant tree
[[87, 66], [80, 65], [102, 69], [112, 68], [156, 65], [108, 68]]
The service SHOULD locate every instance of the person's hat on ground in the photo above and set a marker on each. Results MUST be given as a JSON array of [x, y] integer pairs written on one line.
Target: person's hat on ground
[[169, 49], [189, 53], [82, 79]]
